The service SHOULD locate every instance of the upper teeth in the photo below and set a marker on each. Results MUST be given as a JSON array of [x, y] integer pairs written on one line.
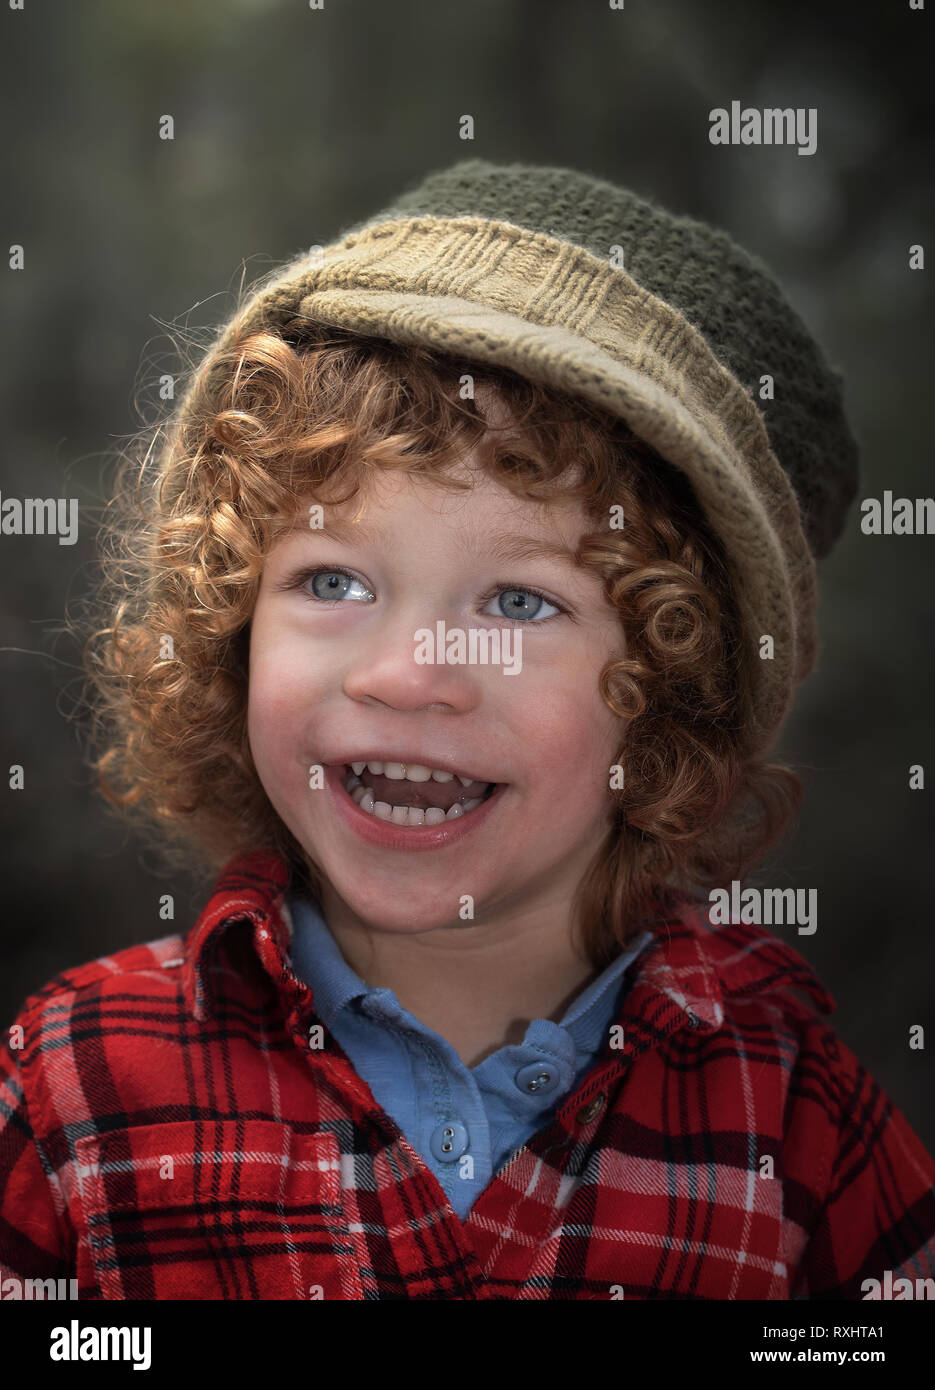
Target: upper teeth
[[411, 772]]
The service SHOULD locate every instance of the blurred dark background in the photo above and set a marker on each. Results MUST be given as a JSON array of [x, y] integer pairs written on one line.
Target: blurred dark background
[[292, 123]]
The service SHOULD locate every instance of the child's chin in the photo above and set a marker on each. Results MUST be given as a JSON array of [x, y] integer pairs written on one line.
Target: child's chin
[[406, 917]]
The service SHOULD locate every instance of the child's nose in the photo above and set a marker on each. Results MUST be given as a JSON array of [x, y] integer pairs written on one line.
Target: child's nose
[[390, 666]]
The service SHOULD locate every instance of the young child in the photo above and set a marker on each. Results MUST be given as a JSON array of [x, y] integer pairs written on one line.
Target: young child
[[454, 621]]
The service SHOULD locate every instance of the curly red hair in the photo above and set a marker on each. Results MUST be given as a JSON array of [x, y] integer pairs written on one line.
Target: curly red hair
[[294, 411]]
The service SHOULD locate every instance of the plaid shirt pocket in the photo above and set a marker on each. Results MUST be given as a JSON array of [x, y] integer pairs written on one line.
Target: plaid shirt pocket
[[214, 1209]]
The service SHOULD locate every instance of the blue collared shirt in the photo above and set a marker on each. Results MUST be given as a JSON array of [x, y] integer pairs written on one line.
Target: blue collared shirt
[[464, 1122]]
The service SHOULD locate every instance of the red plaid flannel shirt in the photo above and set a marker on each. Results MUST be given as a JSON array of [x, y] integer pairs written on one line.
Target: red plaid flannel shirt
[[173, 1125]]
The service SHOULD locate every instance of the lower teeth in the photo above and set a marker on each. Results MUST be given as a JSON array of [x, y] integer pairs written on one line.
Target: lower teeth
[[405, 815]]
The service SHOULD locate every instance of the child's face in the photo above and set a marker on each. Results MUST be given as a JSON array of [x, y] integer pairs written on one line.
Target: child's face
[[337, 681]]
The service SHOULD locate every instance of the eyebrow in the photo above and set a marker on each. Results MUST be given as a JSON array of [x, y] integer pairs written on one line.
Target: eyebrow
[[508, 546]]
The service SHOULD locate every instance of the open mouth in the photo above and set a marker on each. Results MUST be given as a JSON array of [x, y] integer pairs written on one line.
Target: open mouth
[[413, 795]]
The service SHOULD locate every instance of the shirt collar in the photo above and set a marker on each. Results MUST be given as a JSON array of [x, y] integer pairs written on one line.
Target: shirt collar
[[686, 972], [251, 888], [335, 984]]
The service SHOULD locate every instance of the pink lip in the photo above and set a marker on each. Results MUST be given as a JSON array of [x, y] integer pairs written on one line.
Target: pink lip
[[386, 835]]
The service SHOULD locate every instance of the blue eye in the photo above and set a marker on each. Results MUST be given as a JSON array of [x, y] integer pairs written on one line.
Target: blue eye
[[522, 605], [332, 586], [335, 584]]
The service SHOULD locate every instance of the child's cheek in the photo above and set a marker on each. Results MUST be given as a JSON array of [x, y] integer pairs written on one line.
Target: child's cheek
[[577, 743], [272, 709]]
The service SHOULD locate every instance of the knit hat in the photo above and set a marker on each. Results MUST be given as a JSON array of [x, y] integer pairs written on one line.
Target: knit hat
[[520, 266]]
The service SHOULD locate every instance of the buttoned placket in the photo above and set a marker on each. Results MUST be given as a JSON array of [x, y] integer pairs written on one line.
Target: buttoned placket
[[542, 1072]]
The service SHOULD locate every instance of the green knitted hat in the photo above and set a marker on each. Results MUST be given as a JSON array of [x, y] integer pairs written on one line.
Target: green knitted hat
[[520, 266]]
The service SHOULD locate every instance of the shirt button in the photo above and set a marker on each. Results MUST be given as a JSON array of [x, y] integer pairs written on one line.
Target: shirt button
[[538, 1078], [449, 1141], [591, 1112]]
